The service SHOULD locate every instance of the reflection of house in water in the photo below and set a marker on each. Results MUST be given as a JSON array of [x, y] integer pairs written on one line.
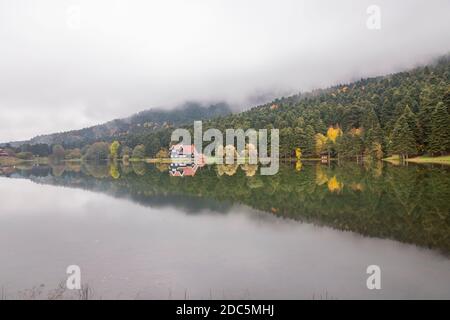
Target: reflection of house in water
[[183, 160], [179, 169], [3, 153], [7, 171]]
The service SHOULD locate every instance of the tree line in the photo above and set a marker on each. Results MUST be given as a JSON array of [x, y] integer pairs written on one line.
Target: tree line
[[406, 114]]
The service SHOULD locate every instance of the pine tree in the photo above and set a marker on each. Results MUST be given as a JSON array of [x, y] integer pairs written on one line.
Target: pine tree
[[429, 97], [440, 130], [413, 124], [308, 143], [402, 140], [372, 132]]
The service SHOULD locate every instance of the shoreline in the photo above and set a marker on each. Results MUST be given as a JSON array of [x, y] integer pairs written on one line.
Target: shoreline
[[420, 160]]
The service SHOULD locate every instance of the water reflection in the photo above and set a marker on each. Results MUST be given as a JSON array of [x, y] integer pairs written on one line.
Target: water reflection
[[408, 204]]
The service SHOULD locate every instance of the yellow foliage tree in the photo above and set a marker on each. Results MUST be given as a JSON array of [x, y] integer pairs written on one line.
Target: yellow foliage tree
[[334, 133], [114, 149], [298, 153]]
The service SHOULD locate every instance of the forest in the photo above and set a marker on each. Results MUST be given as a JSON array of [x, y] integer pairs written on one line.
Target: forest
[[405, 114]]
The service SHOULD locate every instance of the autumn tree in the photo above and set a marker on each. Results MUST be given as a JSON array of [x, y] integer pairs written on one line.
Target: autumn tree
[[298, 153], [333, 133], [162, 154], [114, 149], [320, 143], [73, 154]]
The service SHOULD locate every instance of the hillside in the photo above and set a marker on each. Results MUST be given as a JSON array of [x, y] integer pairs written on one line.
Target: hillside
[[405, 113], [143, 122]]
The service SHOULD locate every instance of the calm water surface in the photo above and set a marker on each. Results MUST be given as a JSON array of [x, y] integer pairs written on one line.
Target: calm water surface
[[227, 232]]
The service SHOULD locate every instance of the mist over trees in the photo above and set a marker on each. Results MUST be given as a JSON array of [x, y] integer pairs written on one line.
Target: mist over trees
[[405, 114]]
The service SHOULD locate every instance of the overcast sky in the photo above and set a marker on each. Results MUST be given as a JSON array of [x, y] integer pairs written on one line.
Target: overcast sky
[[67, 64]]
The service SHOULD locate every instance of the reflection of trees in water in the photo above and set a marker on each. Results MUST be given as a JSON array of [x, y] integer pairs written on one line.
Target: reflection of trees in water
[[249, 169], [114, 170], [334, 185], [139, 167], [231, 169], [96, 169], [255, 183], [228, 169], [58, 169], [126, 168], [409, 204], [405, 186], [321, 176], [162, 167], [73, 166]]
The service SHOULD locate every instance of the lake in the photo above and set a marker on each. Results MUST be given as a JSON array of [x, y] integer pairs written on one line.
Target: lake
[[226, 232]]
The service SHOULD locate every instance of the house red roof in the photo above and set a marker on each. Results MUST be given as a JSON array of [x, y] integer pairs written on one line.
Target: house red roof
[[187, 148]]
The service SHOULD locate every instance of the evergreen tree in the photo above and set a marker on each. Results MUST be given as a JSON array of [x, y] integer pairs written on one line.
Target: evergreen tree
[[308, 142], [413, 125], [373, 135], [402, 140], [440, 130]]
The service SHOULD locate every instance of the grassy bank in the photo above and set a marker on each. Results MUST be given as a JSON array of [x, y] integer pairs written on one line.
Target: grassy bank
[[421, 159], [442, 160], [13, 161]]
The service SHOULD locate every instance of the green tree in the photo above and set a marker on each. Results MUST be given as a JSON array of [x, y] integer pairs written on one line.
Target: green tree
[[126, 151], [58, 151], [97, 151], [372, 135], [440, 130], [402, 140], [139, 151], [414, 126], [307, 142]]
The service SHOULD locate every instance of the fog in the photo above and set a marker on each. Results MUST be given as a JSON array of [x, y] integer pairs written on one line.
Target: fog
[[67, 64]]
